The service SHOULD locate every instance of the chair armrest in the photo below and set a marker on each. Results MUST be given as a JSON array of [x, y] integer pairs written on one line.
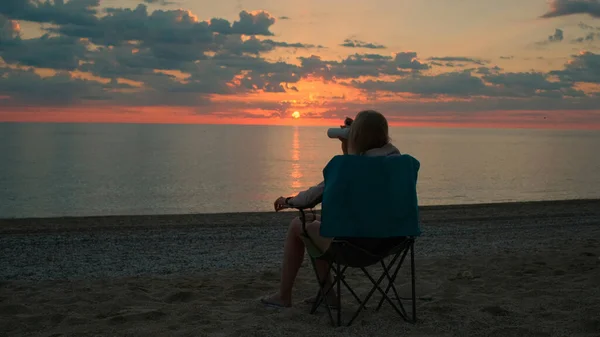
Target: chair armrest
[[302, 212]]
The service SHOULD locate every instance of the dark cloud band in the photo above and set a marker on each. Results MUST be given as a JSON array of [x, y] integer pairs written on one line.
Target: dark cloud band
[[171, 57]]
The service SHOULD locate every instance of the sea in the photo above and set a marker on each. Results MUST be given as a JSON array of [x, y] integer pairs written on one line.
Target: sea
[[50, 170]]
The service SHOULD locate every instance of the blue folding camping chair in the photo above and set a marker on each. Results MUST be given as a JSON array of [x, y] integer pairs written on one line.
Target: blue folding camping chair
[[370, 209]]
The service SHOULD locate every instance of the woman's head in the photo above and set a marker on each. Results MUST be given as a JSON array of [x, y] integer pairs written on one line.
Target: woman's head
[[368, 131]]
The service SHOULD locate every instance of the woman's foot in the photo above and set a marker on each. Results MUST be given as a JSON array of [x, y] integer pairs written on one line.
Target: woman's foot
[[275, 301]]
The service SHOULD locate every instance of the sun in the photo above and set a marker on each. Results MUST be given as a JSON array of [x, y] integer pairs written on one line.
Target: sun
[[296, 114]]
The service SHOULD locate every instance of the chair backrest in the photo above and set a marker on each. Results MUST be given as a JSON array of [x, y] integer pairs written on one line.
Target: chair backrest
[[370, 197]]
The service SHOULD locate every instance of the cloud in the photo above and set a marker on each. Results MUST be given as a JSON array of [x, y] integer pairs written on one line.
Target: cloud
[[61, 53], [489, 110], [357, 65], [466, 84], [487, 70], [171, 39], [79, 12], [134, 44], [234, 44], [10, 30], [507, 57], [253, 23], [25, 86], [361, 44], [263, 75], [160, 2], [138, 56], [558, 36], [584, 67], [408, 60], [529, 85], [458, 59], [289, 45], [460, 84], [54, 52], [284, 18], [121, 25], [585, 26], [589, 37], [570, 7]]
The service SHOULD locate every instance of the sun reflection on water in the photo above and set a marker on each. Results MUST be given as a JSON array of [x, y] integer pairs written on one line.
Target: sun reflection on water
[[296, 172]]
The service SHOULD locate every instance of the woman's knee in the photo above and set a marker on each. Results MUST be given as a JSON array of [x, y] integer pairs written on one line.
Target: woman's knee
[[296, 225], [311, 222], [314, 229]]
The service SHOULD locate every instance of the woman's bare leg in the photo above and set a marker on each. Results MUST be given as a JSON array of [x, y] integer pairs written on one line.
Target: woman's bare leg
[[293, 256], [322, 267]]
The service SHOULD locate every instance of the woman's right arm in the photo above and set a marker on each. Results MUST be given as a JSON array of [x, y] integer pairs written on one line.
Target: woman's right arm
[[309, 198]]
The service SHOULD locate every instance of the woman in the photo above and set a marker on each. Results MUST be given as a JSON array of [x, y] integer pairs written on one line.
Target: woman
[[368, 136]]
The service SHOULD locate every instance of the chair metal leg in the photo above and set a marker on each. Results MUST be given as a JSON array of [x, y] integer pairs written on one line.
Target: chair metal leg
[[385, 296], [339, 276], [412, 272], [335, 280], [322, 292], [402, 255], [314, 306], [391, 280], [351, 290], [375, 287], [318, 298]]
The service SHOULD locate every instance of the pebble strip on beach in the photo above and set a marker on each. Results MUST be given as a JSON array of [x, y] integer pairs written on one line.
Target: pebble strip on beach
[[107, 247]]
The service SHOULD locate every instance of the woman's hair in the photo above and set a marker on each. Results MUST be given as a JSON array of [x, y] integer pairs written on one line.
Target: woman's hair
[[368, 131]]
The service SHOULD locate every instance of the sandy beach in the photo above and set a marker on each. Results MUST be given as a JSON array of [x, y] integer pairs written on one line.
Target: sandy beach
[[514, 269]]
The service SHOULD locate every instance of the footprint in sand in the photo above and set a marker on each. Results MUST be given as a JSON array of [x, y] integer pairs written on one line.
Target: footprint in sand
[[14, 309], [139, 315], [591, 326], [441, 308], [180, 296], [77, 320], [517, 332], [495, 311], [57, 318]]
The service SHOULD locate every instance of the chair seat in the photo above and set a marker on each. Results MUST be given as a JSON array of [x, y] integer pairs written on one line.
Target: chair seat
[[375, 246], [362, 252]]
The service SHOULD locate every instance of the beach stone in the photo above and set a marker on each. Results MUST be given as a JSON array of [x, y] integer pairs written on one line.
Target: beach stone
[[180, 296], [495, 311], [137, 315], [14, 309], [591, 326]]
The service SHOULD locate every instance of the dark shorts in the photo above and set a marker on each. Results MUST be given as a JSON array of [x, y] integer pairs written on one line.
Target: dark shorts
[[376, 246]]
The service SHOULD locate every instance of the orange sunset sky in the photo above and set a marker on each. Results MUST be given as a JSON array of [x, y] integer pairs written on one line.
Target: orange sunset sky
[[477, 63]]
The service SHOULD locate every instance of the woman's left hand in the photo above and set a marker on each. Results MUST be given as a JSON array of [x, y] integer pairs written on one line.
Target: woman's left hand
[[280, 204]]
